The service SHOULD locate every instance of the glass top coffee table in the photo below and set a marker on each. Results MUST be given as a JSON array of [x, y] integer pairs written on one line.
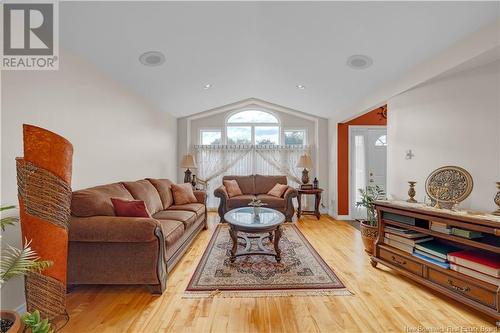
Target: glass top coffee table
[[267, 222]]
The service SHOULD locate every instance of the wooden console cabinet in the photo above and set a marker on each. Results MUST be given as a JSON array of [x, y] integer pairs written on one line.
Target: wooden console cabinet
[[475, 293]]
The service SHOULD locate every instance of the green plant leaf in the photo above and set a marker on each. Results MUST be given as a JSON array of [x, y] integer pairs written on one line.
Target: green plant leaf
[[2, 208], [16, 261], [33, 321], [11, 220]]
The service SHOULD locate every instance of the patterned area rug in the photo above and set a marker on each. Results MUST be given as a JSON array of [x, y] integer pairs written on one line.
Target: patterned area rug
[[301, 272]]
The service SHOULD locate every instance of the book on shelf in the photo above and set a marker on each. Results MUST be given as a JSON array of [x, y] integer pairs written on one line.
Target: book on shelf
[[475, 274], [439, 224], [478, 260], [440, 229], [409, 241], [427, 258], [430, 255], [403, 232], [398, 245], [399, 218], [470, 234], [437, 248]]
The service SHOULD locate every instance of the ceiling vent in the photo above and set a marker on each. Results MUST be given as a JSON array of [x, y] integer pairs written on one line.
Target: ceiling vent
[[359, 61], [152, 58]]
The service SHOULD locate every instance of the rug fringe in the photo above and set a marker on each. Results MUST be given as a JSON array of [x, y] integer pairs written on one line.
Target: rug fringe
[[260, 293]]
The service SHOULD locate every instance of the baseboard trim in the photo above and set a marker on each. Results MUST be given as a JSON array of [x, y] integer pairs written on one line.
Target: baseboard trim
[[343, 217], [21, 309]]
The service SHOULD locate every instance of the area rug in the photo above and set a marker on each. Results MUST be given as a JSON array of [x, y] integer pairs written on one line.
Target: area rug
[[301, 272]]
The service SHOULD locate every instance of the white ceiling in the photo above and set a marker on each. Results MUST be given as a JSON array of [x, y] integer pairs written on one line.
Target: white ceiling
[[263, 50]]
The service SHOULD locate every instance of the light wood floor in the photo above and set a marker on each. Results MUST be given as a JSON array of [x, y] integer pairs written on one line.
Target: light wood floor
[[383, 300]]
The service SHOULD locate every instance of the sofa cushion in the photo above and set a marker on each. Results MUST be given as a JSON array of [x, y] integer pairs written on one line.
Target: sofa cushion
[[272, 202], [197, 208], [172, 231], [183, 194], [278, 190], [264, 184], [96, 201], [130, 208], [144, 190], [246, 183], [163, 188], [240, 201], [232, 188], [188, 218]]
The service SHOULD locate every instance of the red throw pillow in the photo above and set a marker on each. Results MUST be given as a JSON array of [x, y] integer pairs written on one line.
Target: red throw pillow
[[183, 194], [130, 208], [278, 190], [232, 188]]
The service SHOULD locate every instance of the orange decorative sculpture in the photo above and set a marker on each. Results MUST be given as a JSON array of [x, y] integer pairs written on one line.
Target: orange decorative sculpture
[[44, 191]]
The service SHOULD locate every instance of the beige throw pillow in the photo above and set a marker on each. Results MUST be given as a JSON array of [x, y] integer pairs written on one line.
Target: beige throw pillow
[[278, 190], [232, 188], [183, 194]]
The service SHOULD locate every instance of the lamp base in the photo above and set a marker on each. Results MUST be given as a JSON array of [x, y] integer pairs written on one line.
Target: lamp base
[[187, 176], [305, 176]]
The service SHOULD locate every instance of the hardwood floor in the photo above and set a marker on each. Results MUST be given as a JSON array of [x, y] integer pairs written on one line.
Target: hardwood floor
[[383, 300]]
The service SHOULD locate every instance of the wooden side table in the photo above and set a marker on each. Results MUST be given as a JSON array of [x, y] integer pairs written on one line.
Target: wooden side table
[[317, 200]]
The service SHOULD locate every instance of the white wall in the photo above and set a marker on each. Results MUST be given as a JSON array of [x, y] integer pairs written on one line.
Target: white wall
[[454, 120], [115, 134]]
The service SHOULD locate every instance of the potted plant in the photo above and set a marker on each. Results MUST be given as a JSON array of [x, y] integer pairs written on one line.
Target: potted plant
[[369, 230], [15, 262]]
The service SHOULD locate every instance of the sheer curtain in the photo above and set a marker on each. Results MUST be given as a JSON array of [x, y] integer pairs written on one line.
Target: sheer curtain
[[215, 161]]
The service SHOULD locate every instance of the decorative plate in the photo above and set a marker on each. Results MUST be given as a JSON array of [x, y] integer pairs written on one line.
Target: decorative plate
[[449, 184]]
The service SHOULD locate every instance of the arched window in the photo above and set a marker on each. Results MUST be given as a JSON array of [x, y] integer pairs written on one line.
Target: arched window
[[253, 127]]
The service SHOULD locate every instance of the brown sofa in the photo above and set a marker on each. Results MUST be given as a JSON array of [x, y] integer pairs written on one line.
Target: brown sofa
[[107, 249], [256, 186]]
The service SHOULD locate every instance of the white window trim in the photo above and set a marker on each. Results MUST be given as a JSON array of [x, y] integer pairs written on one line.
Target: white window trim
[[250, 108], [252, 125]]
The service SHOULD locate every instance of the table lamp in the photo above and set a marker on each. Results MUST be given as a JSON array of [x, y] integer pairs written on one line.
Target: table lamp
[[188, 162], [306, 163]]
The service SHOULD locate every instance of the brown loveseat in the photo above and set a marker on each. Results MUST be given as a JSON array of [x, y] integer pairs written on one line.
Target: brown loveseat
[[107, 249], [256, 186]]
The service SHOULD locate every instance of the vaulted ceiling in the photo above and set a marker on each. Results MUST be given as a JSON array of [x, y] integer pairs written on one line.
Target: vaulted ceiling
[[263, 50]]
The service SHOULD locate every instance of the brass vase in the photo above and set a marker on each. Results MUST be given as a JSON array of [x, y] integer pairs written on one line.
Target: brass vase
[[497, 200], [412, 192]]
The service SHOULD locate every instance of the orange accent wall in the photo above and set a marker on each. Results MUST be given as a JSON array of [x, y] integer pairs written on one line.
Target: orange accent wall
[[370, 118]]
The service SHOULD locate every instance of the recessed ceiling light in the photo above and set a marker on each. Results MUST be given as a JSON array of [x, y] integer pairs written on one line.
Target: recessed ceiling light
[[359, 61], [152, 58], [207, 86], [301, 87]]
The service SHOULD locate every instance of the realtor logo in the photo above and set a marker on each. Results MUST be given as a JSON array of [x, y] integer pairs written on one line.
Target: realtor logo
[[29, 36]]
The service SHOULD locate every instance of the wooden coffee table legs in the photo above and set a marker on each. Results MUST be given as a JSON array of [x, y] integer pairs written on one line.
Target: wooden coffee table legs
[[277, 236], [234, 237], [274, 237]]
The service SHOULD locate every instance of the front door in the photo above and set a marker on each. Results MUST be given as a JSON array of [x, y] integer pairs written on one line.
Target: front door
[[368, 156]]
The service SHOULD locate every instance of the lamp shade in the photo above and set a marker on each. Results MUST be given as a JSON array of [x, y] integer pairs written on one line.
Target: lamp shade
[[188, 161], [305, 162]]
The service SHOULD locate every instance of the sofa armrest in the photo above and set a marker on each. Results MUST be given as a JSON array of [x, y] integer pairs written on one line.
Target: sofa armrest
[[221, 192], [290, 193], [113, 229], [201, 196]]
